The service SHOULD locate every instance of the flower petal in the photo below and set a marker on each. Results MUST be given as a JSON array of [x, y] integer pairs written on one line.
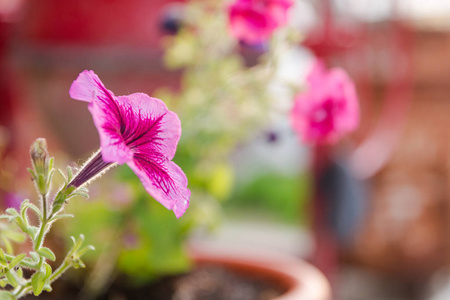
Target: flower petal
[[87, 86], [106, 113], [255, 21], [164, 180], [343, 87], [109, 120], [151, 127], [329, 109]]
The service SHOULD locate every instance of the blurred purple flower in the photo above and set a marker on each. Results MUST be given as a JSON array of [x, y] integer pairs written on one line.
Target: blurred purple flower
[[140, 131], [329, 109], [12, 200], [253, 21]]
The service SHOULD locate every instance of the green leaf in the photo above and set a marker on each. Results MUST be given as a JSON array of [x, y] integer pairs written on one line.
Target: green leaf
[[48, 270], [3, 283], [69, 173], [11, 279], [3, 260], [11, 211], [61, 217], [78, 263], [77, 243], [28, 261], [81, 194], [63, 176], [22, 205], [47, 287], [16, 260], [83, 189], [4, 295], [50, 176], [86, 249], [20, 272], [31, 171], [34, 256], [14, 236], [37, 283], [33, 230], [8, 245], [50, 163], [34, 208], [47, 253]]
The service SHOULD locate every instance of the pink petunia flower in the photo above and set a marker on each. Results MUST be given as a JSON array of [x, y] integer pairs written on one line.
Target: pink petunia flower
[[253, 21], [329, 109], [137, 130]]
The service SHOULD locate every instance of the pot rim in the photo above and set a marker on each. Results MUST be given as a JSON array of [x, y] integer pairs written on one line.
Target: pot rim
[[301, 279]]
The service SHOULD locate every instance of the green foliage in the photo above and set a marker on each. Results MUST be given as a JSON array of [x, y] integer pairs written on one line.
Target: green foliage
[[11, 266], [221, 99], [158, 237], [280, 196], [4, 295], [140, 237]]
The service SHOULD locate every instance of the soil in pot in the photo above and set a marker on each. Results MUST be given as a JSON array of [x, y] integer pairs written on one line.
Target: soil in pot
[[206, 282]]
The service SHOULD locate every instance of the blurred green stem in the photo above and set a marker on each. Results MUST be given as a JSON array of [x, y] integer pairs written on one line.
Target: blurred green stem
[[44, 223]]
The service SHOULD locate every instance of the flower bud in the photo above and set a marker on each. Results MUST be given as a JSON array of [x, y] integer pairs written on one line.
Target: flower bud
[[40, 161]]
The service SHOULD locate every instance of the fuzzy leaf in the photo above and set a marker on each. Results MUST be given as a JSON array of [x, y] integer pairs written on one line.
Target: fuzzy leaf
[[77, 243], [78, 263], [31, 171], [47, 253], [50, 163], [50, 176], [4, 295], [37, 283], [48, 270], [34, 256], [60, 217], [11, 211], [63, 176], [69, 174], [16, 260], [34, 208], [84, 195], [33, 230], [11, 279], [20, 272], [28, 260], [86, 249], [3, 260], [14, 236], [47, 287]]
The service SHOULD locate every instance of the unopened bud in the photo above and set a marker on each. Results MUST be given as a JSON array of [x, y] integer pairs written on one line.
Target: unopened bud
[[39, 154], [40, 160]]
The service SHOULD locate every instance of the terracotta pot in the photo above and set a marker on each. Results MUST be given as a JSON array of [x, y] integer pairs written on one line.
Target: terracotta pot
[[301, 280]]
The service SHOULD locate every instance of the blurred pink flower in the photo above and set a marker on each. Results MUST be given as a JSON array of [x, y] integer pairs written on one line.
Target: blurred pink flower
[[12, 200], [253, 21], [140, 131], [329, 109]]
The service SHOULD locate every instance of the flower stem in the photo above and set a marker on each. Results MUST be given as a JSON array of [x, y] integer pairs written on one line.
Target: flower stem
[[21, 291], [44, 207], [44, 223], [92, 168], [42, 230], [61, 269]]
